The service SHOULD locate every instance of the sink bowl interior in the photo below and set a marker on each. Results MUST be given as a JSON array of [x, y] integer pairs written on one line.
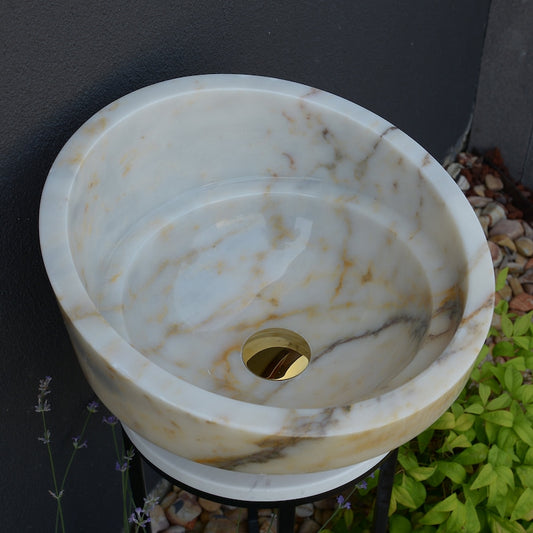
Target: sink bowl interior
[[204, 210]]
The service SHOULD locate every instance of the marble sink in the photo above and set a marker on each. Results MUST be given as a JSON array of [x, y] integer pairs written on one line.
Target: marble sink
[[263, 277]]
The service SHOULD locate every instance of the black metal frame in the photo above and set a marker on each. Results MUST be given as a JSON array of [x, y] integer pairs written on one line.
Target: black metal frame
[[286, 508]]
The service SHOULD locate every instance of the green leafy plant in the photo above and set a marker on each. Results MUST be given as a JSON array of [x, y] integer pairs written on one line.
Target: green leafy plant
[[472, 470]]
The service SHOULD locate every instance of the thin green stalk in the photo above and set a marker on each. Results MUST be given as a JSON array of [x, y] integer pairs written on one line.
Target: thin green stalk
[[115, 442], [59, 512], [74, 451], [124, 504], [337, 511]]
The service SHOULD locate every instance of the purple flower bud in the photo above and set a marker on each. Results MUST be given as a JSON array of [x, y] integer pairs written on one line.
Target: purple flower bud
[[93, 407], [110, 420]]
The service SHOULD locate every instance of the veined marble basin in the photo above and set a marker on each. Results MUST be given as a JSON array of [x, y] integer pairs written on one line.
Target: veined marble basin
[[188, 216]]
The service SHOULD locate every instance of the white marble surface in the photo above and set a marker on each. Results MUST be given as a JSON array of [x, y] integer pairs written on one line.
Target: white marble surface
[[249, 487], [188, 215]]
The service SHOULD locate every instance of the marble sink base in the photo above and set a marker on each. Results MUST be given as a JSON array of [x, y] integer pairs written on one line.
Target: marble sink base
[[248, 487]]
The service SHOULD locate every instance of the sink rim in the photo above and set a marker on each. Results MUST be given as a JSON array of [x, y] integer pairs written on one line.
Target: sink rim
[[444, 377]]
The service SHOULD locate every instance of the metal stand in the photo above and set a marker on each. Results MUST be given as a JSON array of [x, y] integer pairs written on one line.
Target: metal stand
[[286, 509]]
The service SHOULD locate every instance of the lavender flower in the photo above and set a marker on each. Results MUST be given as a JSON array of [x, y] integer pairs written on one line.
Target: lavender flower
[[363, 485], [43, 406], [342, 503], [93, 407], [129, 455], [43, 386], [110, 420], [138, 517], [76, 443], [122, 467], [46, 438], [56, 496], [141, 516]]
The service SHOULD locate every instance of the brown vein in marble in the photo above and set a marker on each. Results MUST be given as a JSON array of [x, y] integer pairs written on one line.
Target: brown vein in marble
[[361, 167], [419, 324], [275, 446], [487, 304], [189, 256], [347, 263]]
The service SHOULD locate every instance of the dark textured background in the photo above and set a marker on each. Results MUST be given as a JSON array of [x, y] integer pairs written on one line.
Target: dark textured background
[[414, 63]]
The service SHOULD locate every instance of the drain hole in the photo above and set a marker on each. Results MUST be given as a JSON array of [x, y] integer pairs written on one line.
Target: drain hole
[[276, 354]]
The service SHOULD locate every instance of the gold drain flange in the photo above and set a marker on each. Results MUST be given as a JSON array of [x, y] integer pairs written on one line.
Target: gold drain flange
[[276, 354]]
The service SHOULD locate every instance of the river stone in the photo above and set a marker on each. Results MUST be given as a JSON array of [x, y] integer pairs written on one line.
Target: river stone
[[515, 286], [527, 277], [309, 526], [495, 211], [525, 246], [493, 183], [523, 302], [158, 520], [479, 201], [512, 228], [528, 230], [184, 510], [208, 505], [480, 190], [169, 499], [463, 183], [506, 293], [175, 529], [496, 253], [220, 525], [485, 222], [305, 510], [503, 240], [454, 169]]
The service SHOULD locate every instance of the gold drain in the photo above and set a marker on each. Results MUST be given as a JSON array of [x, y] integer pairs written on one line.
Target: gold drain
[[276, 354]]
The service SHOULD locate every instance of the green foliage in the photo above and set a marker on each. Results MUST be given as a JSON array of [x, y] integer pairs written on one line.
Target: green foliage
[[472, 470]]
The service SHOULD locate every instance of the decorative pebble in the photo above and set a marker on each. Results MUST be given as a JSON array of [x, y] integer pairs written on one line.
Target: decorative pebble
[[503, 240], [528, 230], [485, 222], [525, 246], [506, 293], [515, 286], [309, 526], [528, 287], [512, 228], [515, 267], [175, 529], [495, 212], [220, 525], [169, 499], [209, 505], [479, 201], [463, 183], [305, 510], [237, 514], [158, 520], [267, 525], [522, 302], [328, 503], [493, 183], [480, 190], [496, 253], [527, 277], [184, 510], [454, 169]]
